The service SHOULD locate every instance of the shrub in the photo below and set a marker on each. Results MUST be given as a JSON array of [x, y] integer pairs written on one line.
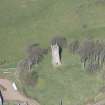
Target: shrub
[[28, 78]]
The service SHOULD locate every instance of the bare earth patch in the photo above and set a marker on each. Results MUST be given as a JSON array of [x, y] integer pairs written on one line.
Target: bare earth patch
[[11, 95]]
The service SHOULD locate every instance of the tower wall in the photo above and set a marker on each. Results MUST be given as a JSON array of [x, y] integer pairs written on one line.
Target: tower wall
[[55, 55]]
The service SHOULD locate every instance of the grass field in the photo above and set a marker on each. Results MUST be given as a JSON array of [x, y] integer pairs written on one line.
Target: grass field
[[25, 21], [35, 21], [69, 82]]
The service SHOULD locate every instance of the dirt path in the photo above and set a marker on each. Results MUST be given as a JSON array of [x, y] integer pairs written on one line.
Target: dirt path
[[10, 94]]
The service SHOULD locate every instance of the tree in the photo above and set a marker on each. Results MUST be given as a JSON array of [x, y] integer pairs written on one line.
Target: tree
[[23, 65], [102, 56], [60, 40], [86, 51], [92, 67], [34, 55], [31, 47], [73, 46], [98, 51]]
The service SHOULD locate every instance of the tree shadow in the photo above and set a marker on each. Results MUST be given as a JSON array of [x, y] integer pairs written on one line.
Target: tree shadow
[[60, 52]]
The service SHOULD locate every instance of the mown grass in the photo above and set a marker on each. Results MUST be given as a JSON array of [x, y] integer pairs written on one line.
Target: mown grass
[[35, 21]]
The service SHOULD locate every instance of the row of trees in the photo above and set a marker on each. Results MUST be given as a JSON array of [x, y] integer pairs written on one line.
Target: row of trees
[[91, 52], [34, 55]]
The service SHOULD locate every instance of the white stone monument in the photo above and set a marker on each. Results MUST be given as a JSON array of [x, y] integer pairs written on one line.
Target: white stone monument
[[55, 55]]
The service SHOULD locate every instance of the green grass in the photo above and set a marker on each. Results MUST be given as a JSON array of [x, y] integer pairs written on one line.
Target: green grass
[[26, 21], [35, 21], [69, 82]]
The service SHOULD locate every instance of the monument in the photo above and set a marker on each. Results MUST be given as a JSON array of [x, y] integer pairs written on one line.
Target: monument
[[56, 61]]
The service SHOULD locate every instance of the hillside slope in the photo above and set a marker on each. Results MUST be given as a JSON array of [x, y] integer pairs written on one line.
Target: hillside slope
[[35, 21], [25, 21]]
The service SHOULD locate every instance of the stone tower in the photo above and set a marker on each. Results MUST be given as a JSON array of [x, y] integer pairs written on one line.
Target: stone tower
[[55, 55]]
